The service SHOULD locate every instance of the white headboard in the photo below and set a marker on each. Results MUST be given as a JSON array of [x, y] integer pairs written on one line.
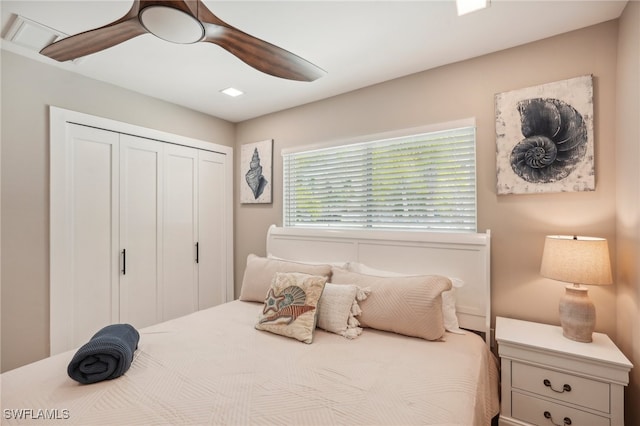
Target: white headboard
[[459, 255]]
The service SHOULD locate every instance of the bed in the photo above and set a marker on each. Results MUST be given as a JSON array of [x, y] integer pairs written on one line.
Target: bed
[[215, 367]]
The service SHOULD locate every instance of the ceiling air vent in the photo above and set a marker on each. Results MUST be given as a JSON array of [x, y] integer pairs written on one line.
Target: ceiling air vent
[[30, 34]]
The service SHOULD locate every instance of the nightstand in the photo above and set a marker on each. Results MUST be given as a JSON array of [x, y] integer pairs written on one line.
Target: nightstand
[[548, 379]]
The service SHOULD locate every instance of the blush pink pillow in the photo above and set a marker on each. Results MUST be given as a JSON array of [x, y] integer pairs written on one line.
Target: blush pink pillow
[[260, 271]]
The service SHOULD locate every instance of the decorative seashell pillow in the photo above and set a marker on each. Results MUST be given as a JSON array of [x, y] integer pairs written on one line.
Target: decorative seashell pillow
[[290, 308]]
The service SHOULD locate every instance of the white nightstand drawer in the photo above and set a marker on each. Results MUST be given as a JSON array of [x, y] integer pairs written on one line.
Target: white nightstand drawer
[[561, 386], [597, 373], [540, 412]]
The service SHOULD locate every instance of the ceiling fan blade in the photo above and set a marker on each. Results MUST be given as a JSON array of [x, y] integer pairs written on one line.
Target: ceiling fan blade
[[256, 53], [98, 39]]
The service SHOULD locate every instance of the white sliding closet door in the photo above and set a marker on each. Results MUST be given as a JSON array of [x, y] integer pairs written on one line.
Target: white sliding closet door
[[88, 233], [141, 168], [141, 226], [180, 230], [212, 254]]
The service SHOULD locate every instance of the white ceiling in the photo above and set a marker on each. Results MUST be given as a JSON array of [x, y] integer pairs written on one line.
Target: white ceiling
[[358, 43]]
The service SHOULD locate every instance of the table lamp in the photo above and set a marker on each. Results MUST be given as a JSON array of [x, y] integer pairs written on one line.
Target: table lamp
[[577, 260]]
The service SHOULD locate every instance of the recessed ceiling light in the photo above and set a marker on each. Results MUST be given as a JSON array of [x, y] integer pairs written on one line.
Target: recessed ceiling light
[[233, 92], [468, 6]]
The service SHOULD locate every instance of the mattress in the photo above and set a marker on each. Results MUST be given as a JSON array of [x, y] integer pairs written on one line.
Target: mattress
[[213, 367]]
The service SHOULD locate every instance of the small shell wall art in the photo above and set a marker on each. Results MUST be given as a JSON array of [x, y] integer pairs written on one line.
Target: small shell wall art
[[256, 162], [544, 138]]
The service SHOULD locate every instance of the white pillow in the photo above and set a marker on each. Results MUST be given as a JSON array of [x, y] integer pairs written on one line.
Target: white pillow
[[338, 308], [448, 297]]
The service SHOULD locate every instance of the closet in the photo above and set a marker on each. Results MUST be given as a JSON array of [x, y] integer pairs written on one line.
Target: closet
[[140, 230]]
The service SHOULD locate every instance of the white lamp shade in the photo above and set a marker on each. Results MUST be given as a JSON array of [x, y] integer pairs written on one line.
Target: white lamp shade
[[578, 260]]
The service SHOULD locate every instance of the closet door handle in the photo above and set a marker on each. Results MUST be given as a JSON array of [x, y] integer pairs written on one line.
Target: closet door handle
[[197, 252], [124, 261]]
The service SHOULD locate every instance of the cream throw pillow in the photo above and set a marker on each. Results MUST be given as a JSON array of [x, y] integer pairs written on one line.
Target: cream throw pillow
[[406, 305], [449, 314], [339, 307], [260, 271], [290, 308]]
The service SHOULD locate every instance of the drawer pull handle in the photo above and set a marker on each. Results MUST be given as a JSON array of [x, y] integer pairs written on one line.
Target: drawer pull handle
[[565, 387], [566, 422]]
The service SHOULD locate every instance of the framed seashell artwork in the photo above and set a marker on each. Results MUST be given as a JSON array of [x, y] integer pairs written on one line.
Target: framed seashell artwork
[[544, 138], [256, 164]]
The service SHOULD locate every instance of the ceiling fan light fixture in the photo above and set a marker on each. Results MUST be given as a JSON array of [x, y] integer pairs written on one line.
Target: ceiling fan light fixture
[[171, 24]]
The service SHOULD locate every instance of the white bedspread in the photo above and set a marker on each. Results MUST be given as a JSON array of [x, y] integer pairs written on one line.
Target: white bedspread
[[213, 367]]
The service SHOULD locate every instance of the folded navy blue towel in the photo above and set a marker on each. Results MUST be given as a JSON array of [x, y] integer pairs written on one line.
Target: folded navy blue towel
[[106, 356]]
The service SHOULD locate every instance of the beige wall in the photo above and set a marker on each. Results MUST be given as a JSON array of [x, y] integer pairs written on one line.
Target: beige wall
[[466, 89], [28, 87], [628, 200]]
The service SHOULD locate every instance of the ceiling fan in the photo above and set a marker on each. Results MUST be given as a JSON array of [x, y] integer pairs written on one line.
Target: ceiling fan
[[185, 22]]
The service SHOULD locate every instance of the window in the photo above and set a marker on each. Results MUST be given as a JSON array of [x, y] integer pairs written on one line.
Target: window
[[423, 181]]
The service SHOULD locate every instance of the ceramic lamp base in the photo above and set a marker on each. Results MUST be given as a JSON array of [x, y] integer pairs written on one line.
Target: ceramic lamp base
[[577, 314]]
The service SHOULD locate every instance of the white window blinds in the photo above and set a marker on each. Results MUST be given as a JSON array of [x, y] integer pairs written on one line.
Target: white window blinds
[[425, 181]]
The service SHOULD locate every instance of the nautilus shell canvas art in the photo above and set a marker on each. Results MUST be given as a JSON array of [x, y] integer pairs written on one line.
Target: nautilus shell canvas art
[[544, 138], [256, 162]]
